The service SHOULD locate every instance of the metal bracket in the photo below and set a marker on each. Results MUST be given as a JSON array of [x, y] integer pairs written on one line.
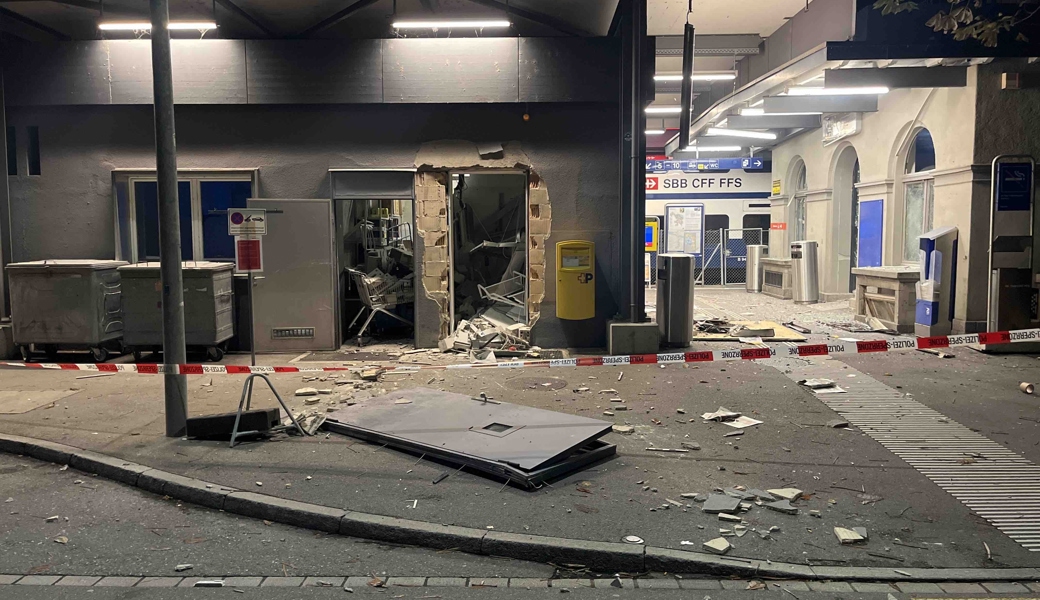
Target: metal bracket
[[247, 398]]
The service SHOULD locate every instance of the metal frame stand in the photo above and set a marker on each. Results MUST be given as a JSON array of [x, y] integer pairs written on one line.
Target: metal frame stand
[[247, 398]]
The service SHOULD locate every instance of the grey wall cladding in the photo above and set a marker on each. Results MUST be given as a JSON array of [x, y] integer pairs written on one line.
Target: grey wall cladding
[[314, 72], [569, 69], [450, 70]]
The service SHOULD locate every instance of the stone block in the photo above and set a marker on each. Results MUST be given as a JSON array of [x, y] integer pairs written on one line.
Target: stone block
[[538, 196], [829, 586], [9, 579], [597, 556], [536, 287], [183, 488], [280, 510], [434, 224], [445, 582], [633, 338], [243, 582], [664, 583], [536, 257], [541, 211], [406, 582], [570, 584], [329, 582], [81, 581], [539, 227], [667, 560], [873, 588], [488, 582], [699, 584], [159, 582], [435, 254], [413, 533], [12, 444], [434, 268], [612, 584], [49, 451], [435, 284], [108, 467], [794, 586], [996, 587], [915, 587], [39, 580], [958, 588], [118, 582], [358, 583], [282, 582]]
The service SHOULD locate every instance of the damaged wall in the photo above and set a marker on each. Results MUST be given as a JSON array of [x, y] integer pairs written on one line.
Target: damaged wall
[[68, 211], [433, 162]]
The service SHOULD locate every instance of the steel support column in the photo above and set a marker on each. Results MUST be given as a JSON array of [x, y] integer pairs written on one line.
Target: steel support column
[[174, 351], [626, 101], [5, 210], [637, 163]]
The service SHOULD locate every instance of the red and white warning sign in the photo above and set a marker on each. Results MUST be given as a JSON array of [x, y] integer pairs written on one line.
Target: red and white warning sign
[[249, 254], [652, 183]]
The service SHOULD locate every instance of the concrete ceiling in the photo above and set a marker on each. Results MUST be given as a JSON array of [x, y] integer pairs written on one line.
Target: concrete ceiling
[[78, 18]]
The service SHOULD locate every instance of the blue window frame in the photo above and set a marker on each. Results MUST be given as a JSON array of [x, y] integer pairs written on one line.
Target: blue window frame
[[146, 205], [216, 197]]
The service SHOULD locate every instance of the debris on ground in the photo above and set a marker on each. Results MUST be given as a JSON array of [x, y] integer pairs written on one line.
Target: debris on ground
[[837, 423], [492, 333], [1026, 387], [796, 327], [730, 518], [939, 353], [680, 450], [786, 493], [848, 536], [720, 503], [632, 539], [308, 391], [734, 433], [61, 540], [371, 373], [717, 546], [721, 415], [691, 445], [783, 506], [817, 384], [183, 568], [623, 429], [741, 422]]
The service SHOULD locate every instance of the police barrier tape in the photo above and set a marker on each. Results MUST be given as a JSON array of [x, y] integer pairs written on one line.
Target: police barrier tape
[[754, 353]]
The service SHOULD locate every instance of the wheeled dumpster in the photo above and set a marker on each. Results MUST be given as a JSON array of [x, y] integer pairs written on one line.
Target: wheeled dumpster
[[66, 305], [208, 307]]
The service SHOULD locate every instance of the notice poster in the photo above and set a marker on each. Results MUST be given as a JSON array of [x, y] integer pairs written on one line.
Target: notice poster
[[684, 230]]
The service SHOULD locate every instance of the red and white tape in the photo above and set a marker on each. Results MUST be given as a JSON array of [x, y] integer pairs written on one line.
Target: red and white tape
[[755, 353]]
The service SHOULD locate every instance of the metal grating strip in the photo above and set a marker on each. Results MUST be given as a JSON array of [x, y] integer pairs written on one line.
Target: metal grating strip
[[995, 483]]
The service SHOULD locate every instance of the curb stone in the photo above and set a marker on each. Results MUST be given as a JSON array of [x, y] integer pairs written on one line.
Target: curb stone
[[603, 556]]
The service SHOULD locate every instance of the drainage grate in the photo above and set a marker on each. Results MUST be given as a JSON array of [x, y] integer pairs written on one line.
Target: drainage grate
[[994, 482]]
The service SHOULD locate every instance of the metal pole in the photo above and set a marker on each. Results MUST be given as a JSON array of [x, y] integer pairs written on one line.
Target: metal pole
[[174, 351], [252, 325], [637, 158], [625, 122]]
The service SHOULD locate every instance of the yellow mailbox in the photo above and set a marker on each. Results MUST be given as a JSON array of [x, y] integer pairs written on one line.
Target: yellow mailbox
[[575, 280]]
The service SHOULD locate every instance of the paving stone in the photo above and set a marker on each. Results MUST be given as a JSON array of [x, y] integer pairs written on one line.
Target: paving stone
[[796, 586], [407, 581], [79, 580], [488, 582], [188, 582], [118, 582], [336, 582], [664, 583], [444, 581], [699, 584], [243, 582], [159, 582], [918, 587], [605, 584], [282, 582], [829, 586], [730, 584], [357, 582], [1033, 586], [525, 583], [9, 579], [567, 584], [962, 588], [873, 588], [38, 580], [997, 587]]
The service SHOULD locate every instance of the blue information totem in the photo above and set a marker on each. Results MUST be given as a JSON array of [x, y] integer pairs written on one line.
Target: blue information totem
[[938, 284]]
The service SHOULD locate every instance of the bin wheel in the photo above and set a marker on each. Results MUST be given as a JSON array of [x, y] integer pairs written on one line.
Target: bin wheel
[[51, 350], [137, 354], [100, 354], [26, 353], [214, 353]]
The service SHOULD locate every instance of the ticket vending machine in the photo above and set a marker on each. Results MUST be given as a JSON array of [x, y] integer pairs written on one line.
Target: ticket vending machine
[[1013, 257], [938, 284], [575, 280]]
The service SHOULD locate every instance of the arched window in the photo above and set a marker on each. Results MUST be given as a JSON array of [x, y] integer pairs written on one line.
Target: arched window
[[798, 203], [918, 191]]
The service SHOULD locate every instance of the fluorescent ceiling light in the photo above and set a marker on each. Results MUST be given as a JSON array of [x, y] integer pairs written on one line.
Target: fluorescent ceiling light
[[663, 110], [761, 112], [741, 133], [835, 91], [654, 131], [449, 24], [146, 26], [712, 149], [698, 77]]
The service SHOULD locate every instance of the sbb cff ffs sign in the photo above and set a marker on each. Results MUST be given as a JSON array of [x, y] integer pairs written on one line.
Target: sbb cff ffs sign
[[652, 184]]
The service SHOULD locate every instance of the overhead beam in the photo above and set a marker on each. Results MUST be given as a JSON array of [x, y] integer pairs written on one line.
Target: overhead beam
[[234, 8], [534, 17], [331, 20], [897, 77], [711, 45], [615, 21], [10, 14], [89, 4], [774, 122], [823, 104]]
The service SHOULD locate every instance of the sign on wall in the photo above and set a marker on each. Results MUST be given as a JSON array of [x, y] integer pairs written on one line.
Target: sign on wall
[[684, 228], [838, 126], [776, 187], [871, 232], [249, 255], [247, 221], [706, 164], [1014, 186], [734, 184]]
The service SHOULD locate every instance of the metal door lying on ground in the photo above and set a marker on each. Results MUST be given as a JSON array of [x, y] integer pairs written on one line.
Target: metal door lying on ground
[[295, 297], [724, 258]]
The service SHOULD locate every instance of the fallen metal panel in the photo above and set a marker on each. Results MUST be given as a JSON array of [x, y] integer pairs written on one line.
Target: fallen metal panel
[[521, 443]]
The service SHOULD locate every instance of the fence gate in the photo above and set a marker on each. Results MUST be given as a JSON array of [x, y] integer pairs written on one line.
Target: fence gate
[[724, 260]]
